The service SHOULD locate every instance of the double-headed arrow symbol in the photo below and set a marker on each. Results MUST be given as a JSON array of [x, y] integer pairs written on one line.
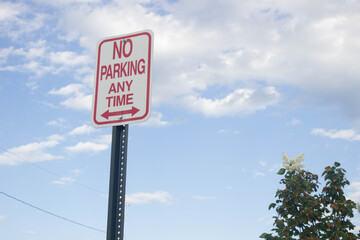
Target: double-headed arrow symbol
[[131, 111]]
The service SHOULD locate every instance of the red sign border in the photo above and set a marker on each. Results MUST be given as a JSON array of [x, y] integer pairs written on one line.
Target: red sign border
[[128, 120]]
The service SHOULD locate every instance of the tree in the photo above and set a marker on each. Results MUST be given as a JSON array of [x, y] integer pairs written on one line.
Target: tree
[[303, 213], [335, 202]]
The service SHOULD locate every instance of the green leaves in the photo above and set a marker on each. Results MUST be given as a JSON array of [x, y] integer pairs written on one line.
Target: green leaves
[[272, 205], [281, 171], [303, 213], [264, 235], [267, 236], [335, 200]]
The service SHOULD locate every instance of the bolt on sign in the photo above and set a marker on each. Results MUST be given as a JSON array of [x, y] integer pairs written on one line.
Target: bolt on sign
[[122, 84]]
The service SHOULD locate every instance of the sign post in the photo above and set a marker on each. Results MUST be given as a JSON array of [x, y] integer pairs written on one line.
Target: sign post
[[122, 95], [116, 207]]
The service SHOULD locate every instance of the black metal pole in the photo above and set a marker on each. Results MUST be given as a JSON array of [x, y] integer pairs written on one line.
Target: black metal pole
[[116, 207]]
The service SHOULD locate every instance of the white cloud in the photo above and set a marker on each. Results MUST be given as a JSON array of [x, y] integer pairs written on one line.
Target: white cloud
[[2, 217], [106, 139], [259, 174], [65, 2], [31, 232], [64, 181], [32, 85], [32, 152], [227, 131], [34, 67], [84, 129], [275, 167], [223, 131], [17, 19], [91, 147], [357, 229], [255, 41], [337, 134], [68, 58], [57, 123], [33, 50], [240, 101], [76, 96], [67, 90], [258, 41], [38, 59], [155, 120], [355, 191], [262, 163], [9, 11], [86, 76], [295, 122], [197, 197], [79, 102], [101, 143], [76, 172], [146, 198], [4, 53]]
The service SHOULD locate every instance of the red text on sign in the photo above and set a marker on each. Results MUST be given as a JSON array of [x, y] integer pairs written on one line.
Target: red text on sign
[[120, 49], [123, 69], [120, 86], [119, 100]]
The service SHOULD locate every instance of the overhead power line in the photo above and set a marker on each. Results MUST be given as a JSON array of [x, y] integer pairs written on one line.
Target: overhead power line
[[50, 213], [51, 172]]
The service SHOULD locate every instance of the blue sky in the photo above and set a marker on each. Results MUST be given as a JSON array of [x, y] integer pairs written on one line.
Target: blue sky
[[235, 84]]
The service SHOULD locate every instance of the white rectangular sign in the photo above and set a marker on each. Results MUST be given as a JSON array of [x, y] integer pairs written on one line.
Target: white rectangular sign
[[122, 84]]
